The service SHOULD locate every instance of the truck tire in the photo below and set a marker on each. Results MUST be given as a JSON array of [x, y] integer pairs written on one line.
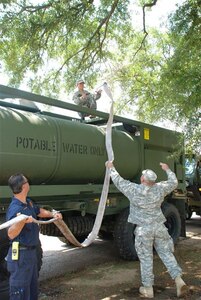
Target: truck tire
[[173, 222], [124, 236], [78, 225]]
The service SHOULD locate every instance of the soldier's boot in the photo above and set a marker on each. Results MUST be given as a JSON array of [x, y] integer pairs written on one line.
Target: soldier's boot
[[147, 291], [182, 288]]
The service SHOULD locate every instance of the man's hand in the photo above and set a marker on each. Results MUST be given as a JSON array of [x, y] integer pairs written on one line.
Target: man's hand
[[29, 220], [165, 167], [109, 164], [84, 96], [57, 215]]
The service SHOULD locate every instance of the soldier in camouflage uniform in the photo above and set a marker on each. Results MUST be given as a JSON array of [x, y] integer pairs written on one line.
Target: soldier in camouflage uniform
[[84, 98], [145, 211]]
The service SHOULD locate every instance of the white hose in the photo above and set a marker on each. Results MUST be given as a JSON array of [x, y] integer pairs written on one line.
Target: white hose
[[101, 208], [22, 217]]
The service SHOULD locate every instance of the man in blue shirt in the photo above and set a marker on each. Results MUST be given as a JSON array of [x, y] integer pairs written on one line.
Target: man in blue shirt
[[24, 237]]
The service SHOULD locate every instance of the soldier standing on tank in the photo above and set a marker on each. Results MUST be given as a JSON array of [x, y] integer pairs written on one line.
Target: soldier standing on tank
[[84, 98], [145, 211], [24, 240]]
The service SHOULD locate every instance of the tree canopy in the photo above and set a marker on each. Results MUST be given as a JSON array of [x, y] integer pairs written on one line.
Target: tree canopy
[[61, 39], [54, 42], [164, 81]]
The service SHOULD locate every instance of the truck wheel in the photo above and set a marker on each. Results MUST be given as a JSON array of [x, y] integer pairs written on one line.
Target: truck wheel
[[78, 225], [173, 222], [124, 236]]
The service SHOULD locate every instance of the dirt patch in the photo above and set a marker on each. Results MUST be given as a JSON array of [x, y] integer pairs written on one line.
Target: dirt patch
[[121, 279]]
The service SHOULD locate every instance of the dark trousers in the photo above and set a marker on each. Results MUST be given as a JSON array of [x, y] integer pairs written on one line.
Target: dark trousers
[[23, 275]]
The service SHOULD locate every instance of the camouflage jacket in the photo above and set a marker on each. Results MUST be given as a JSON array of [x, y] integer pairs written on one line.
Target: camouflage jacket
[[145, 201], [89, 101]]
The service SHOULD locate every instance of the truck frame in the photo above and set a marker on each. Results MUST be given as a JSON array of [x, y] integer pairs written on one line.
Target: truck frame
[[64, 159]]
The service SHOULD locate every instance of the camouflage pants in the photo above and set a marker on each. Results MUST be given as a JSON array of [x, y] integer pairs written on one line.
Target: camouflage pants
[[157, 236]]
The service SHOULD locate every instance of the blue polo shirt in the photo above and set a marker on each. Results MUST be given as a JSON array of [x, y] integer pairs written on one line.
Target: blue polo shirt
[[29, 236]]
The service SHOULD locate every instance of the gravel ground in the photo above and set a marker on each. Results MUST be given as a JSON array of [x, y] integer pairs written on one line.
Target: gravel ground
[[121, 279]]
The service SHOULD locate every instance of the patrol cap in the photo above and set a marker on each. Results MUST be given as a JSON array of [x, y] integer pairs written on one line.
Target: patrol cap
[[149, 175], [80, 81]]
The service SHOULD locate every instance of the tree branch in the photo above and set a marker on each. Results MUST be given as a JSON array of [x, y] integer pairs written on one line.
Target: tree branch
[[84, 49], [144, 25]]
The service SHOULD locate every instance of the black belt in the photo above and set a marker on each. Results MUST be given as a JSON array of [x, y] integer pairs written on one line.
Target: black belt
[[27, 247], [23, 247]]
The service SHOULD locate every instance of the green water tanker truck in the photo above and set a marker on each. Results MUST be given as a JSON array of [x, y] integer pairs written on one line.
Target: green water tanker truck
[[64, 158]]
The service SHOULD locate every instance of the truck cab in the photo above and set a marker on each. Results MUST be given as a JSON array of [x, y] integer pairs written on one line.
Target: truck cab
[[193, 186]]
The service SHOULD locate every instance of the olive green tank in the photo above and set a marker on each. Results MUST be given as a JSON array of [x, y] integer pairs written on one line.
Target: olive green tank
[[56, 151]]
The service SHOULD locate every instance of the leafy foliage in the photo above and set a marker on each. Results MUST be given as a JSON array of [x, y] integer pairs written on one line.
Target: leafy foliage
[[180, 78], [163, 81], [66, 39]]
